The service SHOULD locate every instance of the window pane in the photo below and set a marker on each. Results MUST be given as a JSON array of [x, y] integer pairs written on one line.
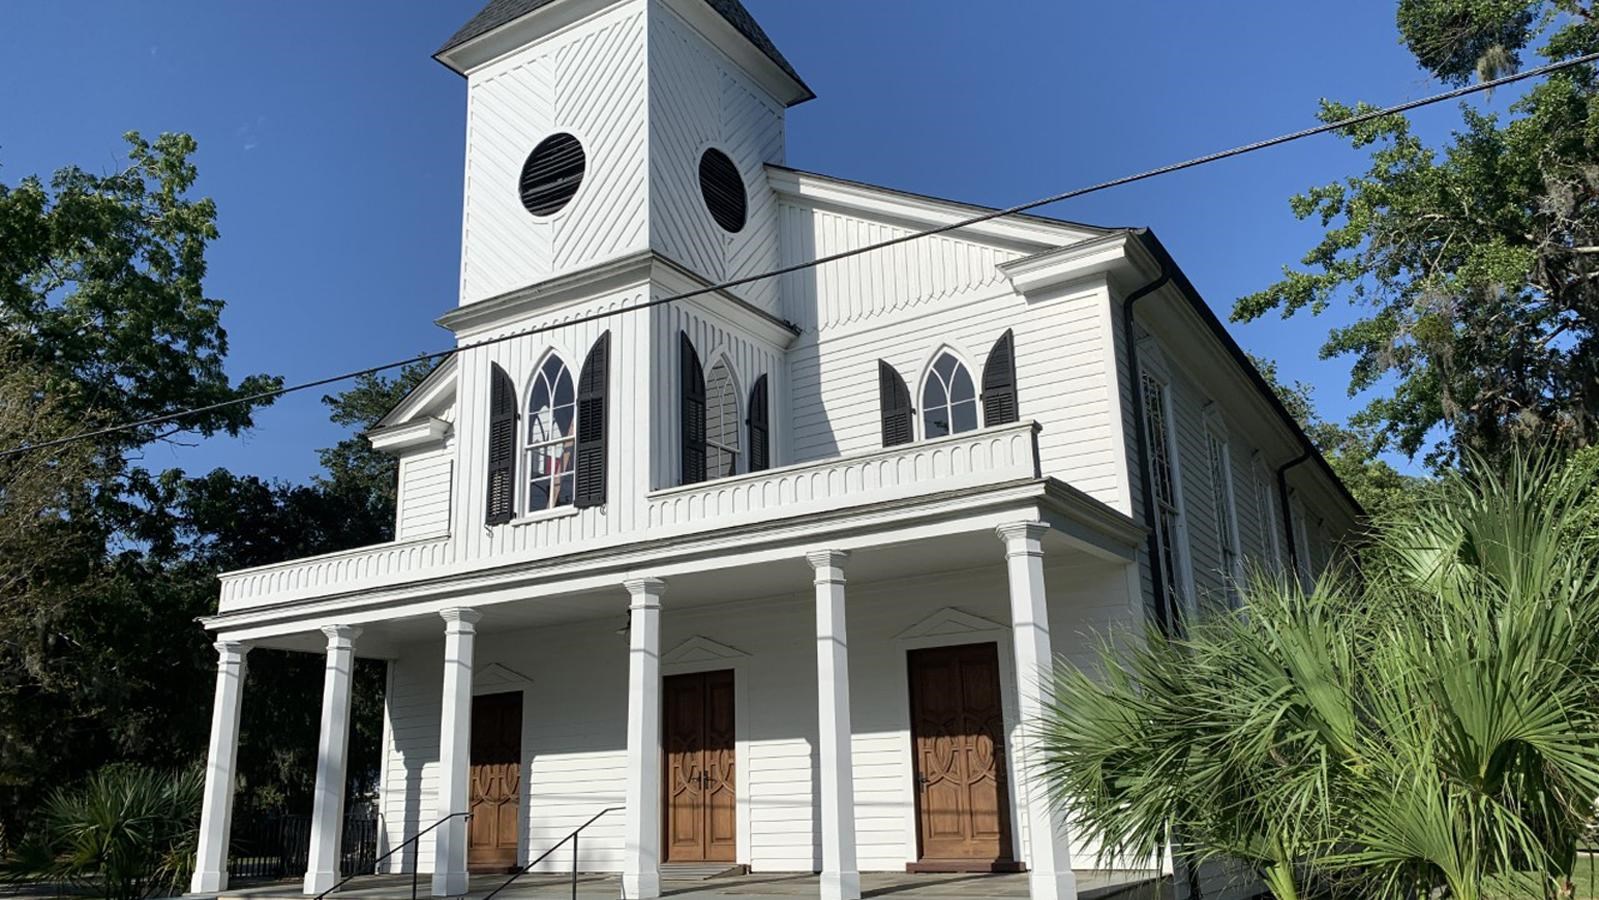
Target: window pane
[[961, 387], [933, 395], [564, 498], [945, 367], [935, 422], [563, 419], [563, 388], [538, 494], [965, 416]]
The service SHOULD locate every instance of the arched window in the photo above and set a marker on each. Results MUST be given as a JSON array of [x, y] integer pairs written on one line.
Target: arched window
[[551, 413], [721, 422], [949, 398]]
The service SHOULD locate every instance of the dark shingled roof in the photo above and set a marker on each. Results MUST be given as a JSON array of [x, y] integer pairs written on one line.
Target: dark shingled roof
[[499, 12]]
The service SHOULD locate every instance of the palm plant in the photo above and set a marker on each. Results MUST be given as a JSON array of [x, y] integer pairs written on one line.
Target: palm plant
[[1425, 723], [124, 833]]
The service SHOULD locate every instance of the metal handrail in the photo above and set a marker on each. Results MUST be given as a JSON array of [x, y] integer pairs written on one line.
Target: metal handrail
[[410, 840], [545, 855]]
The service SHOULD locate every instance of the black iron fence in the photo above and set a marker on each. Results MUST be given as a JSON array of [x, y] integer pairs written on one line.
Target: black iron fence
[[271, 845]]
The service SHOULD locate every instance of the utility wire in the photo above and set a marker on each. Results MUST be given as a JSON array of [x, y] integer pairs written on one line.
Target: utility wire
[[831, 258]]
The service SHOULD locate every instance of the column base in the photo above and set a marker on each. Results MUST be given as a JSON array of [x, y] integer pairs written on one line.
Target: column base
[[318, 882], [841, 886], [641, 885], [208, 882], [1057, 886], [449, 884]]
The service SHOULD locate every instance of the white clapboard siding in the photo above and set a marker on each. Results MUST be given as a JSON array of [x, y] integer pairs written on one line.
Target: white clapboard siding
[[423, 507]]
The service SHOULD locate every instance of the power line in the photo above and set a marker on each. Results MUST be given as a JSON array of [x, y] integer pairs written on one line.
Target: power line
[[831, 258]]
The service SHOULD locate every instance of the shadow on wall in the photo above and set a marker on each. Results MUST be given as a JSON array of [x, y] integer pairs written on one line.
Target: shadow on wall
[[810, 430]]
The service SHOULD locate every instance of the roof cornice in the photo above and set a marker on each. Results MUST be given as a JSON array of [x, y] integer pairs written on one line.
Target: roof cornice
[[399, 439], [1020, 232]]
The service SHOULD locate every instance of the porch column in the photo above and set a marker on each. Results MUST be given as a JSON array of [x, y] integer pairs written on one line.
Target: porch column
[[841, 877], [455, 753], [1049, 862], [333, 752], [216, 809], [641, 861]]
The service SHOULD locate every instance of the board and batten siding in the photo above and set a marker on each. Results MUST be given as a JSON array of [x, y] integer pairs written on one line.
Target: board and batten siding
[[422, 507], [575, 701]]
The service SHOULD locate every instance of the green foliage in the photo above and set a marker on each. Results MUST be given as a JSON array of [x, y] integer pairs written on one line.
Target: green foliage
[[104, 566], [1420, 730], [124, 833], [1350, 450], [1472, 264]]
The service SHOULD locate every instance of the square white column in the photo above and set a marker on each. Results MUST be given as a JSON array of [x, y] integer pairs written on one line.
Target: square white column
[[216, 809], [841, 877], [641, 860], [1049, 861], [455, 753], [333, 754]]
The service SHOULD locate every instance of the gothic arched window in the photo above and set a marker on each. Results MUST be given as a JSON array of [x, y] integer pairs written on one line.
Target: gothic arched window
[[949, 398], [721, 422], [551, 412]]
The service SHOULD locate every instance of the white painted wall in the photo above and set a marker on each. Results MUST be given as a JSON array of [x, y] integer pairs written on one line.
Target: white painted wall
[[423, 507], [574, 718]]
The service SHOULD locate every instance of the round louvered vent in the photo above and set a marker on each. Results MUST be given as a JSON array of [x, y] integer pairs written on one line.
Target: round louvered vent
[[723, 189], [551, 175]]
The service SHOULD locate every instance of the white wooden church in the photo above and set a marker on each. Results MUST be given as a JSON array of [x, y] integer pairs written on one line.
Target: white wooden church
[[777, 569]]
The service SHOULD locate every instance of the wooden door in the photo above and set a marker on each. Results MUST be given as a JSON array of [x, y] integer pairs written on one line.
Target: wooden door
[[958, 732], [496, 782], [700, 810]]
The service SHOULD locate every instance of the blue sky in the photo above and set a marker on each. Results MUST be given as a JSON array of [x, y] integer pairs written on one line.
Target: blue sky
[[333, 145]]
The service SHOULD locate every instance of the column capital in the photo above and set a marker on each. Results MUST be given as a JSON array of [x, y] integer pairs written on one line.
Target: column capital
[[231, 651], [1022, 537], [828, 564], [645, 592], [341, 637], [460, 620]]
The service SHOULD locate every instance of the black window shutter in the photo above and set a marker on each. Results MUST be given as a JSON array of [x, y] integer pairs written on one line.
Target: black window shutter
[[502, 447], [760, 430], [591, 391], [895, 399], [999, 382], [693, 388]]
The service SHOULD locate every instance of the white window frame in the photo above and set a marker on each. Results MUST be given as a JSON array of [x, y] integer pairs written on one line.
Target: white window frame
[[1218, 452], [919, 427], [1172, 540], [1270, 517], [736, 450], [526, 448], [1301, 526]]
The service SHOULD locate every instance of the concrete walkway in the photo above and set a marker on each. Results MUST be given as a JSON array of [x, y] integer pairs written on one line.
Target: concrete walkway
[[1090, 886]]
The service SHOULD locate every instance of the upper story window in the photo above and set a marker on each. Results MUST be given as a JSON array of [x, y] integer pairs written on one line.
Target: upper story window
[[1163, 483], [721, 422], [1221, 486], [551, 437], [949, 398], [1271, 522], [552, 174]]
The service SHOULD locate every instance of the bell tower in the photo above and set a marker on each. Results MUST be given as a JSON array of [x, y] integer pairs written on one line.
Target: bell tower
[[602, 129]]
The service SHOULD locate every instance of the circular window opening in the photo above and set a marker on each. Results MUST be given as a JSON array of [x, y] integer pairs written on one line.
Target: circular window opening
[[551, 175], [723, 188]]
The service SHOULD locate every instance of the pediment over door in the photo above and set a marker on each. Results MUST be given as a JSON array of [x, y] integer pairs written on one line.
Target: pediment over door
[[495, 678], [699, 649], [948, 622]]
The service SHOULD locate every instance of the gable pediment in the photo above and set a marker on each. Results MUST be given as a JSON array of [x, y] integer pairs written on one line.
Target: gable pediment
[[495, 678], [699, 649], [948, 622]]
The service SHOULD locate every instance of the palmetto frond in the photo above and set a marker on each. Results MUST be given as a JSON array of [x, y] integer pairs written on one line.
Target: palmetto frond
[[1425, 720]]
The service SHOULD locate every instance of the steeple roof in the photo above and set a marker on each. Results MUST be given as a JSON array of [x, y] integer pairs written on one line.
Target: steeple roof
[[501, 12]]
